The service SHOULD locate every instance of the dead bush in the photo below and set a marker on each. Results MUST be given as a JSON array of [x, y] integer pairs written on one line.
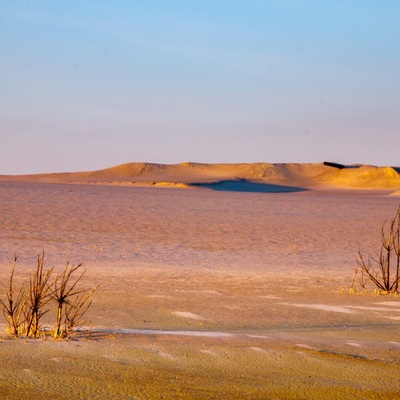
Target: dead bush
[[383, 268], [23, 312]]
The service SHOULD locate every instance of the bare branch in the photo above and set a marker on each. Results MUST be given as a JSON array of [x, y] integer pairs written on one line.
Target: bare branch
[[386, 274]]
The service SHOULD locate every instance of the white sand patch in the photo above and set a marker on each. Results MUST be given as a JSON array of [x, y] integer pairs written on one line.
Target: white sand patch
[[374, 308], [397, 318], [390, 303], [186, 314], [258, 336], [167, 356], [323, 307], [210, 334], [214, 292], [270, 297], [211, 292], [306, 346], [354, 344]]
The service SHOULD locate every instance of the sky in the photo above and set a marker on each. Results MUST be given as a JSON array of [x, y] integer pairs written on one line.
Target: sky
[[89, 84]]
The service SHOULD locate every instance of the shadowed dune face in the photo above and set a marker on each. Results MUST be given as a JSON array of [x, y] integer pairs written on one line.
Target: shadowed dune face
[[243, 185]]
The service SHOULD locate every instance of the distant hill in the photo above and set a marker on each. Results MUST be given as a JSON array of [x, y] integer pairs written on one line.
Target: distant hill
[[289, 175]]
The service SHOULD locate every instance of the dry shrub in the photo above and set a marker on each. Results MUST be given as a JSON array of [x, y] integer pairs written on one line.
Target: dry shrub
[[37, 298], [383, 269], [13, 308], [24, 312], [72, 303]]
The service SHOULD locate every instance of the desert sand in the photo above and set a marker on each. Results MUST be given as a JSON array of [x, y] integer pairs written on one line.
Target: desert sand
[[217, 282]]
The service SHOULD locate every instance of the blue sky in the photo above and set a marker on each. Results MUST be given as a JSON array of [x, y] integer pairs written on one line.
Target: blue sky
[[87, 84]]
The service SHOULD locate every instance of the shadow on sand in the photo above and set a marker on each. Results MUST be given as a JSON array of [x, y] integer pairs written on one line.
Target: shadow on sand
[[243, 185]]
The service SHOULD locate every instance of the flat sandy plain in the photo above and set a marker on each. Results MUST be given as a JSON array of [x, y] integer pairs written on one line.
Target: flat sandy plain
[[205, 294]]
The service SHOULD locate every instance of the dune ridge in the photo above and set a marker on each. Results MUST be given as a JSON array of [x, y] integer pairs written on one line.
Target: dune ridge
[[191, 175]]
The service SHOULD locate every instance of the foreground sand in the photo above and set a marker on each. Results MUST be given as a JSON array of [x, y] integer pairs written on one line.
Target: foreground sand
[[204, 294]]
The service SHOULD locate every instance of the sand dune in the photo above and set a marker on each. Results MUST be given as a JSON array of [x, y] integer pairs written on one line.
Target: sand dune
[[185, 175]]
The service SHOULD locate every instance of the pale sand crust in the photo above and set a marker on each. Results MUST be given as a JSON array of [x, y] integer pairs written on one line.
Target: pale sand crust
[[204, 294]]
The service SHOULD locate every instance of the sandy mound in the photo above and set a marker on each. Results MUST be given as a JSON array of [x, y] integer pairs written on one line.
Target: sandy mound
[[368, 177]]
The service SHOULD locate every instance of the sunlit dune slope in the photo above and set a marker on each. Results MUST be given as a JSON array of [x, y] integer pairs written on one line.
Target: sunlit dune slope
[[316, 175]]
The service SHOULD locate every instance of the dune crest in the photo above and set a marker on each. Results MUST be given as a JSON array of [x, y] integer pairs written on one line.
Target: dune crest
[[189, 174]]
